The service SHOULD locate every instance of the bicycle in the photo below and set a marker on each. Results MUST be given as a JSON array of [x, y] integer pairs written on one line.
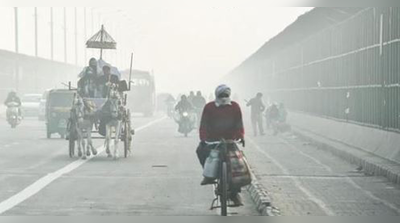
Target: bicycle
[[221, 186]]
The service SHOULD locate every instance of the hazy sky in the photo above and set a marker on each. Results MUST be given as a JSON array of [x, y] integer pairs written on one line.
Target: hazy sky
[[188, 46]]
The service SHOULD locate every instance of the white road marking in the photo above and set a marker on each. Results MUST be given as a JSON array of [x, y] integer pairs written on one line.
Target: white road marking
[[348, 179], [297, 182], [9, 145], [49, 178]]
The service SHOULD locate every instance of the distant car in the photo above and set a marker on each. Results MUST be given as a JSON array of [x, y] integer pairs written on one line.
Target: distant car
[[42, 105], [30, 105]]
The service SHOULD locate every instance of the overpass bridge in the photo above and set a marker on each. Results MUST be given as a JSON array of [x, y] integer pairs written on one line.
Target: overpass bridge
[[29, 74]]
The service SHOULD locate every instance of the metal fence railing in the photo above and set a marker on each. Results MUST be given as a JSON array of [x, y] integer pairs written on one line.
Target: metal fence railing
[[350, 71]]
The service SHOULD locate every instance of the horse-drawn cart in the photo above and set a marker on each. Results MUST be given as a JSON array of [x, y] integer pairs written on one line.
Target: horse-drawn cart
[[102, 116], [99, 105]]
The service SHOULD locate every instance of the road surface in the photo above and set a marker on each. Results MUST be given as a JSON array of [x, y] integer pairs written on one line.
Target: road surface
[[162, 177], [303, 180]]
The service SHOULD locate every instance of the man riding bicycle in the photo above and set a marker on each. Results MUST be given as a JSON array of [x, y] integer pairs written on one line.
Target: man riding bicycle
[[221, 119]]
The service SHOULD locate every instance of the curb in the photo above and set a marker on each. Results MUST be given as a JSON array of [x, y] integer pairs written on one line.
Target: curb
[[369, 163], [260, 197]]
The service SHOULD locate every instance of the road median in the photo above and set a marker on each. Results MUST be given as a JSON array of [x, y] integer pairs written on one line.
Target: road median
[[260, 197]]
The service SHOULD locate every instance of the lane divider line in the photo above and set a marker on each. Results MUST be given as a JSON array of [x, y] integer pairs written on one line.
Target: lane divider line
[[49, 178]]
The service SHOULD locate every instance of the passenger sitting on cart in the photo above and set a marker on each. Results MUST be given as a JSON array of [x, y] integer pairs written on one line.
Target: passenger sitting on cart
[[87, 86], [105, 80]]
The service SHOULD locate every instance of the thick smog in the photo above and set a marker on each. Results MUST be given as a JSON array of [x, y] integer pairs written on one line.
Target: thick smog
[[203, 109]]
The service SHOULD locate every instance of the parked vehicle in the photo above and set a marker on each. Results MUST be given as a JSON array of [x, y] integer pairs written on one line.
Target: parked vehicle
[[30, 105], [58, 105]]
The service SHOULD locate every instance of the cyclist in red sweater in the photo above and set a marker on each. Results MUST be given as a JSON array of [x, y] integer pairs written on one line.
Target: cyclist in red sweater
[[221, 119]]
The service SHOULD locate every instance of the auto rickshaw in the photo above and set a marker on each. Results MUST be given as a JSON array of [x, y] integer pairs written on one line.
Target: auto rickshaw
[[58, 106]]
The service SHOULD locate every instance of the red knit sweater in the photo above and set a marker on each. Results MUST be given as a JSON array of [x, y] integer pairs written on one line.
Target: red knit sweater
[[224, 122]]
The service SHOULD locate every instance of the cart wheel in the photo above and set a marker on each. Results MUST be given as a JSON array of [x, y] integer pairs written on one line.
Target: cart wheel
[[71, 139], [127, 140], [71, 147]]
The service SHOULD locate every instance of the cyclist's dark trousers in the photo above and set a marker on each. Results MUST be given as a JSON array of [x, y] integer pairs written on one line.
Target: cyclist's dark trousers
[[202, 153]]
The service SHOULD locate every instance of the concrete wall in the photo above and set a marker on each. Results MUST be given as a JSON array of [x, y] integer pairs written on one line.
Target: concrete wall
[[35, 74], [379, 142]]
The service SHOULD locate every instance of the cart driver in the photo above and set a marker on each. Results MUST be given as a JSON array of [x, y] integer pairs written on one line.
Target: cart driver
[[105, 80], [87, 82]]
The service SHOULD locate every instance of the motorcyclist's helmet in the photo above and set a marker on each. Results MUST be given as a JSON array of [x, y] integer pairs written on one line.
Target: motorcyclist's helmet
[[12, 94]]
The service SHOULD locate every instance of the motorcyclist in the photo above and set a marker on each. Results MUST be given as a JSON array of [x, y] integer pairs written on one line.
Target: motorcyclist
[[191, 97], [221, 119], [12, 97], [87, 84], [198, 103], [183, 106]]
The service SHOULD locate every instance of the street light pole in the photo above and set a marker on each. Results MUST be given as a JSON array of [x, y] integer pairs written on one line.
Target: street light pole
[[85, 32], [76, 36], [16, 29], [36, 32], [16, 48], [65, 34], [51, 34]]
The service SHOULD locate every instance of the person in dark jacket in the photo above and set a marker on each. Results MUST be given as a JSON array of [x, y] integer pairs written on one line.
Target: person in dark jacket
[[184, 105], [13, 97], [87, 84], [272, 116], [257, 108], [198, 103], [105, 80], [221, 119]]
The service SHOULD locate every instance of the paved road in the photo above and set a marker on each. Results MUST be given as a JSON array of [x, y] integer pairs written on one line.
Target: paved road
[[161, 178], [304, 180]]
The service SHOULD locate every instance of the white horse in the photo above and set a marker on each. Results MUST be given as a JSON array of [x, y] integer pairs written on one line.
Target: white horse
[[113, 109], [85, 120]]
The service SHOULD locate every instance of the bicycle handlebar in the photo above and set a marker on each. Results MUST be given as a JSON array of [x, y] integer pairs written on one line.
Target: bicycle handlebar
[[229, 141]]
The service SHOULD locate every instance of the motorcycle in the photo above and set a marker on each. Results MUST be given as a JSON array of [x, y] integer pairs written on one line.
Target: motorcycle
[[13, 117], [186, 123]]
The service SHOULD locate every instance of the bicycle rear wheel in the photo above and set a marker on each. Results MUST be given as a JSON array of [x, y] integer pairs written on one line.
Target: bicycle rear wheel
[[224, 190]]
